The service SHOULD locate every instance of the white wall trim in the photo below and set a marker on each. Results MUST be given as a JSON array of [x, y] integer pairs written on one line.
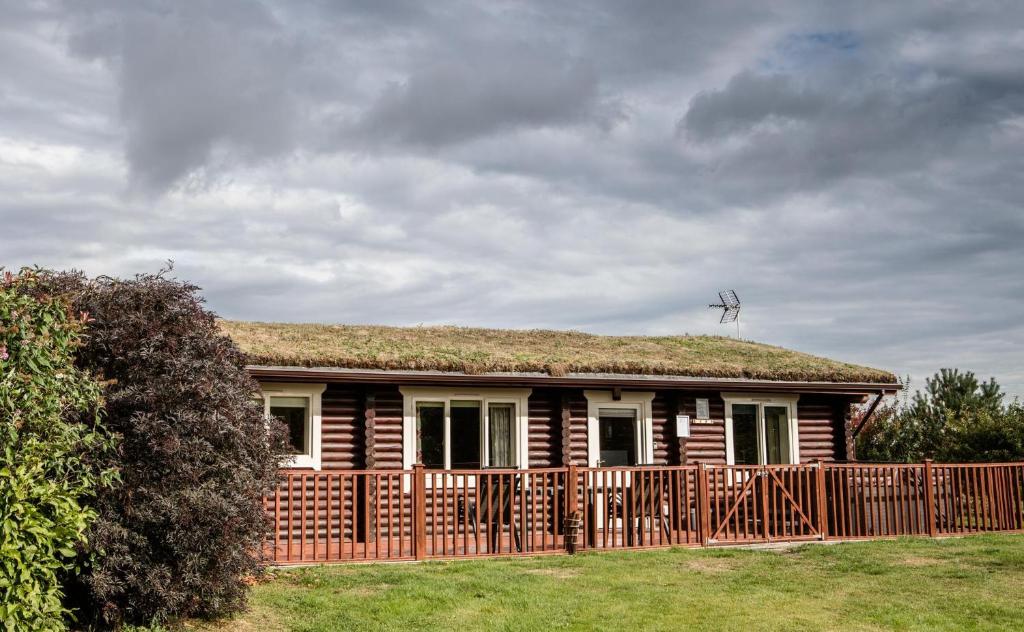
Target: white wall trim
[[640, 401], [788, 400], [314, 393], [518, 396]]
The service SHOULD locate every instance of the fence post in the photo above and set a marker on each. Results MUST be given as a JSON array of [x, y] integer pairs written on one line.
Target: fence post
[[572, 501], [929, 495], [572, 504], [419, 511], [822, 500], [703, 504], [1018, 488]]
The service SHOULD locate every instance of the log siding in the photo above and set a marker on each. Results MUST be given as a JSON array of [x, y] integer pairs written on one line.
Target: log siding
[[343, 429], [388, 427], [362, 427], [545, 435]]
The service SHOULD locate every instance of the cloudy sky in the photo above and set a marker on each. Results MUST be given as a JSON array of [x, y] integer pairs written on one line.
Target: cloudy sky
[[853, 171]]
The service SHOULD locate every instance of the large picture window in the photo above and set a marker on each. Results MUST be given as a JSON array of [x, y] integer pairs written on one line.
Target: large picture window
[[466, 428], [298, 407], [761, 431]]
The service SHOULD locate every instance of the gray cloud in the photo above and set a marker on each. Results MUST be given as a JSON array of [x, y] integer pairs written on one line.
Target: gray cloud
[[197, 81], [852, 172], [747, 101], [497, 90]]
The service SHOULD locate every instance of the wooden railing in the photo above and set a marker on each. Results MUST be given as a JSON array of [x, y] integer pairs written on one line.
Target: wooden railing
[[342, 515], [761, 504], [380, 515], [638, 507], [472, 513]]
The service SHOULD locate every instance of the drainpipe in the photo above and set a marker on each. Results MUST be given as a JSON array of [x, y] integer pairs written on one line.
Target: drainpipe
[[867, 416]]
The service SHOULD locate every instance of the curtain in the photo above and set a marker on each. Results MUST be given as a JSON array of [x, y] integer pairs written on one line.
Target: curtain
[[500, 434]]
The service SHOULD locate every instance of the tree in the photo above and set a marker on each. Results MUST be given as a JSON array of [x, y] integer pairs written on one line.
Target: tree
[[52, 446], [182, 533], [985, 436], [954, 418], [891, 435], [950, 398]]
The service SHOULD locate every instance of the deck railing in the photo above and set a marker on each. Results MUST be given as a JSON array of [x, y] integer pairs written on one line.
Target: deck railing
[[347, 515]]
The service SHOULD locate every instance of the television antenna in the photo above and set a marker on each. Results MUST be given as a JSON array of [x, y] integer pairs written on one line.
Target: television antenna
[[730, 307]]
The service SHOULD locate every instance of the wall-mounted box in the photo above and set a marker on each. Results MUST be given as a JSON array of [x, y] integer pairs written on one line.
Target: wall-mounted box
[[703, 409], [682, 426]]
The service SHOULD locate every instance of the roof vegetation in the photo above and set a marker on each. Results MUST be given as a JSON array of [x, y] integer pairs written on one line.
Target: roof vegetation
[[477, 351]]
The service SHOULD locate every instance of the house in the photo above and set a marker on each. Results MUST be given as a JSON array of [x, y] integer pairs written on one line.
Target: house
[[372, 397], [444, 442]]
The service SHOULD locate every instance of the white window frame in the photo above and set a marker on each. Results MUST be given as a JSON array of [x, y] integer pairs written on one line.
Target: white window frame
[[638, 401], [788, 401], [313, 393], [520, 397]]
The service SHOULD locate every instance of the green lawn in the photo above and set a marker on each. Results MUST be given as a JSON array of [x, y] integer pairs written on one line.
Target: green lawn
[[953, 584]]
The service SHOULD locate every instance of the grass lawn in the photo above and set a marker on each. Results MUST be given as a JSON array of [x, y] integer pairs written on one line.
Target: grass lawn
[[954, 584]]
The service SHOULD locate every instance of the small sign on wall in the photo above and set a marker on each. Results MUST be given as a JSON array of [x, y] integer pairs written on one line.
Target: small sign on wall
[[703, 409], [682, 426]]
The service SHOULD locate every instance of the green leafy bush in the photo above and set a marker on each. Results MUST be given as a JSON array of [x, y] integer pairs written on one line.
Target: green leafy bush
[[52, 452], [986, 435], [955, 418], [185, 528]]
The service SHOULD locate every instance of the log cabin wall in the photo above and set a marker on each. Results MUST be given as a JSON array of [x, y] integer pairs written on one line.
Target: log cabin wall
[[343, 430], [707, 444], [545, 435], [820, 419], [707, 437], [821, 429], [362, 427], [577, 405], [663, 426], [387, 449]]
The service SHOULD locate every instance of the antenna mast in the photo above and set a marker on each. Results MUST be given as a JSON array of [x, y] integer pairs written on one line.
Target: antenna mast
[[731, 308]]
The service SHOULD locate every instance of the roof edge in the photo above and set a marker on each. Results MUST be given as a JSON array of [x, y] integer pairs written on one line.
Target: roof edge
[[606, 380]]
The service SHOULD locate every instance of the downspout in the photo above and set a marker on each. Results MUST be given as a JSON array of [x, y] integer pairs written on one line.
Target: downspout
[[867, 416]]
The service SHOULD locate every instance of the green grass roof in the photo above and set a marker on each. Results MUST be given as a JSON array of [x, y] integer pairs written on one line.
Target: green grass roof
[[477, 351]]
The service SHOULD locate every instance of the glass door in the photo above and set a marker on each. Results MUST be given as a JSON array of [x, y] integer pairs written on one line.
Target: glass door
[[744, 434], [776, 435], [617, 441]]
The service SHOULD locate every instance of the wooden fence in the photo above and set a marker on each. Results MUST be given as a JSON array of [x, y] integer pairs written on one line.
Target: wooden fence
[[347, 515]]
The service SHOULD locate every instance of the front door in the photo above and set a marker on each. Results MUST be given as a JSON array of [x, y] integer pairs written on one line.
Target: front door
[[617, 430]]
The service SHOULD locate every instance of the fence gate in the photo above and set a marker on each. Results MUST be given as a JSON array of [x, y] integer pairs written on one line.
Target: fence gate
[[773, 503]]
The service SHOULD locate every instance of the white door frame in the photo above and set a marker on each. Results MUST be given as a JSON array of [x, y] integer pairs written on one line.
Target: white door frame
[[639, 401], [782, 400]]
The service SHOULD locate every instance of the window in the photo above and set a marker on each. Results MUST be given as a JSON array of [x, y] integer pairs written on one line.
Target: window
[[298, 406], [776, 434], [465, 435], [465, 428], [761, 430], [617, 428], [744, 434], [294, 412], [500, 434], [619, 432], [430, 432]]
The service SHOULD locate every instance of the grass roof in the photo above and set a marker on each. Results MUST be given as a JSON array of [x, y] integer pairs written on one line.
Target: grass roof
[[477, 351]]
